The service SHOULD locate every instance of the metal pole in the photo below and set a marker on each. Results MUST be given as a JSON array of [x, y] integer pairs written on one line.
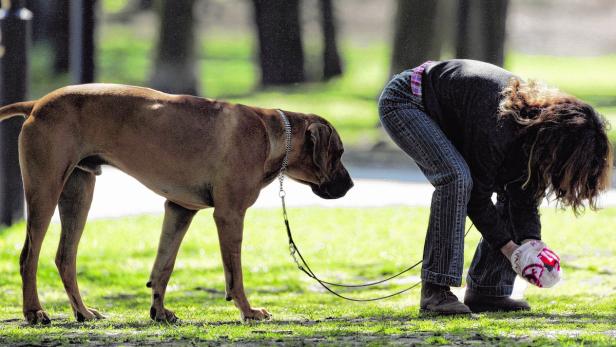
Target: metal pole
[[15, 22], [82, 41]]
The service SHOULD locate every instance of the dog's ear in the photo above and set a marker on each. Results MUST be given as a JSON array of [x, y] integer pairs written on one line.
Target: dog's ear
[[319, 136]]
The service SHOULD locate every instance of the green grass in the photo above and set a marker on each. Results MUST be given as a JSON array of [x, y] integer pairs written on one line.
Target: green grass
[[228, 71], [350, 245]]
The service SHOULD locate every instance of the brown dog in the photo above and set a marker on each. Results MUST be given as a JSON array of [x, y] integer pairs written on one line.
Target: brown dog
[[195, 152]]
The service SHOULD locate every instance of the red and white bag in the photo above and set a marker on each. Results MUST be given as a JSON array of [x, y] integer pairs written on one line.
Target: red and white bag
[[537, 264]]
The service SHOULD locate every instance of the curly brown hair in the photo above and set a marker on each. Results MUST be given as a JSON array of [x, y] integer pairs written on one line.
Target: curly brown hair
[[569, 154]]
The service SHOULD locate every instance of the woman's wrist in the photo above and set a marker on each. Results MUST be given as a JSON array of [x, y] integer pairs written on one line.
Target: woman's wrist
[[509, 248]]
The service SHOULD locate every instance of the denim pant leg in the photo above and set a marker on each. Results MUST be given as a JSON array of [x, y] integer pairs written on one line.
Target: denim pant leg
[[490, 272], [423, 140]]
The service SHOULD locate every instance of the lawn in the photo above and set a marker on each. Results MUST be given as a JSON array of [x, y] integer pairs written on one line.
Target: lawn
[[350, 245]]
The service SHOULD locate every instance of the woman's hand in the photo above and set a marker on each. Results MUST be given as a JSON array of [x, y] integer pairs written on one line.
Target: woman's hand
[[509, 248]]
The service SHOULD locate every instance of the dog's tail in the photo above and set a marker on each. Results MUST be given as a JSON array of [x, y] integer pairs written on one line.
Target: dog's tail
[[16, 109]]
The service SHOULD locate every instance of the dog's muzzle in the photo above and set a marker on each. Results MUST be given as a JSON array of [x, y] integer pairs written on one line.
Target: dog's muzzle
[[336, 188]]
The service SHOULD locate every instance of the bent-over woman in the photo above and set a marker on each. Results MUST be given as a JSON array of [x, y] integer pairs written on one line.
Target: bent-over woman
[[475, 129]]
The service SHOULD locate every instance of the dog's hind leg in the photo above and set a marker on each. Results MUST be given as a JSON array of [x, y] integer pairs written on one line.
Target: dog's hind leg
[[176, 222], [42, 197], [46, 160], [74, 205], [39, 215]]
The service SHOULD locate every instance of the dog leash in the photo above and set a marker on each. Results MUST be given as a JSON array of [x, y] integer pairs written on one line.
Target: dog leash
[[297, 255]]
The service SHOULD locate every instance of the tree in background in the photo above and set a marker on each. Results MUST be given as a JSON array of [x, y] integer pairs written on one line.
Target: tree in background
[[415, 34], [481, 30], [281, 55], [82, 45], [50, 24], [332, 65], [15, 26], [175, 66]]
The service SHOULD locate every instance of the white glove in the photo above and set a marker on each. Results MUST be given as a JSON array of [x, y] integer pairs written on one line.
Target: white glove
[[537, 264]]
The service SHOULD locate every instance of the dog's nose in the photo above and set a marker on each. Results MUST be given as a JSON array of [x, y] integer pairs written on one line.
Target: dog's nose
[[340, 187], [348, 187]]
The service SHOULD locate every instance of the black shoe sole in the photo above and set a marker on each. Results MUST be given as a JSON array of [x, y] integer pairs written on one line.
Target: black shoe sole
[[482, 309], [430, 313]]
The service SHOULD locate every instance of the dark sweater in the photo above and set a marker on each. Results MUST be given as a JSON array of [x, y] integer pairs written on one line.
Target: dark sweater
[[462, 96]]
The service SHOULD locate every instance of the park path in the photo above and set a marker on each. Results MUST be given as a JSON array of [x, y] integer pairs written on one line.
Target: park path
[[117, 194]]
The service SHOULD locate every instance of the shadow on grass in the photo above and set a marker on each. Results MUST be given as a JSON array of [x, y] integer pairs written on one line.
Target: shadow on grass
[[565, 318], [545, 318], [419, 339], [259, 333], [328, 331]]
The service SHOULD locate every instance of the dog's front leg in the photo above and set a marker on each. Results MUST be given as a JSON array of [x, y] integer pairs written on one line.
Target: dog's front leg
[[176, 222], [230, 224]]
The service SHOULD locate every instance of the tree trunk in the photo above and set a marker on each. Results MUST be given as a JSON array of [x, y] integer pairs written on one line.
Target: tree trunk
[[82, 46], [15, 25], [175, 68], [281, 54], [481, 30], [59, 40], [332, 66], [414, 38]]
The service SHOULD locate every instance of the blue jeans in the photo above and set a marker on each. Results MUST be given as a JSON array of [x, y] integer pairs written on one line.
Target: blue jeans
[[411, 128]]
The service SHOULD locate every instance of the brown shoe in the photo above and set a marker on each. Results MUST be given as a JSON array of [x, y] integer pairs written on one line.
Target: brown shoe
[[439, 300], [485, 303]]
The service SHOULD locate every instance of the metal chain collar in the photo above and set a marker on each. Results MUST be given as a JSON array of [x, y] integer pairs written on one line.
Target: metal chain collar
[[285, 160]]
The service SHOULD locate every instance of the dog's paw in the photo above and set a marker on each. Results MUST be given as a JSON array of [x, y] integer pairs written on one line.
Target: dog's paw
[[37, 316], [164, 315], [89, 314], [256, 314]]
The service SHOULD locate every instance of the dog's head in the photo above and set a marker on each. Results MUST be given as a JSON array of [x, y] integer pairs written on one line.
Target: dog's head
[[319, 164]]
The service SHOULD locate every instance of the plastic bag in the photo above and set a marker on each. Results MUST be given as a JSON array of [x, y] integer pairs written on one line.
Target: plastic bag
[[537, 264]]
